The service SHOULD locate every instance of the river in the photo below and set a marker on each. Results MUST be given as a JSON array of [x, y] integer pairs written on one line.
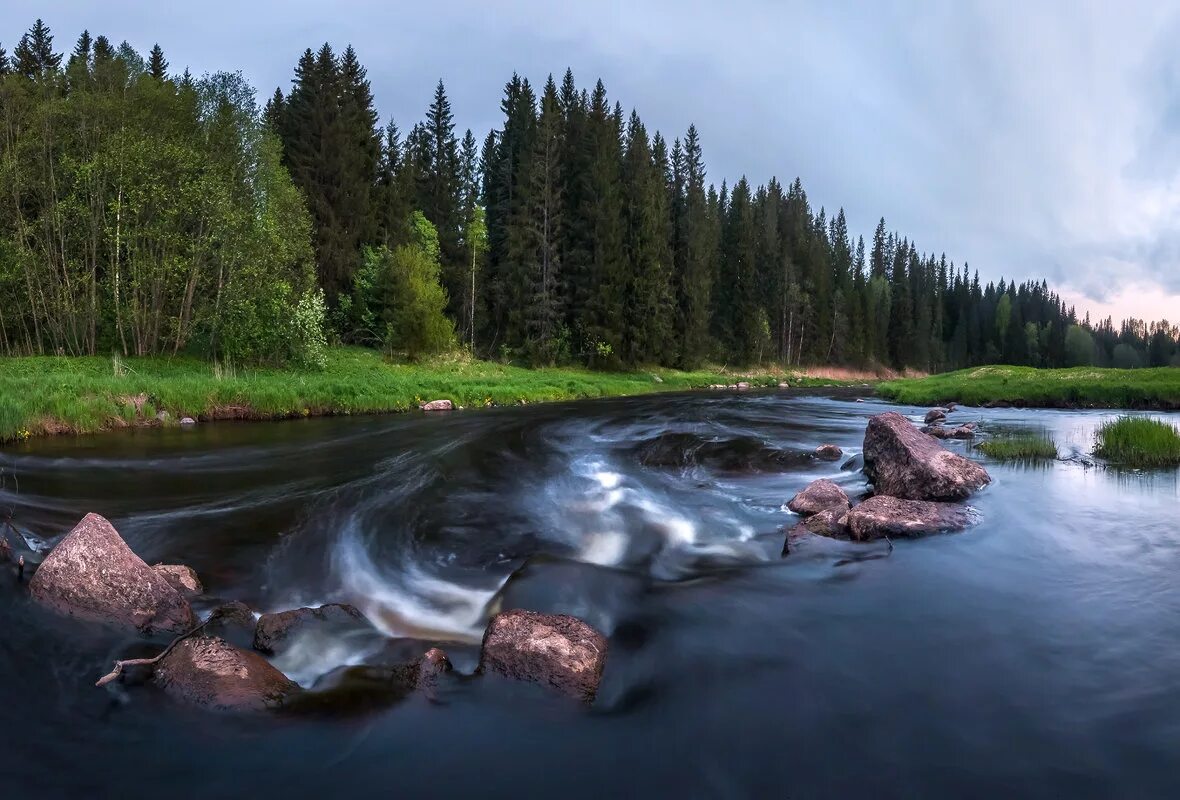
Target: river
[[1036, 654]]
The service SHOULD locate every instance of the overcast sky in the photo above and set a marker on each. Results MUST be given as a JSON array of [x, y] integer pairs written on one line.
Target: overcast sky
[[1031, 139]]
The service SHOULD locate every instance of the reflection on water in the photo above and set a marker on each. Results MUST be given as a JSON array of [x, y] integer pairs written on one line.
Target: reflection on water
[[1038, 649]]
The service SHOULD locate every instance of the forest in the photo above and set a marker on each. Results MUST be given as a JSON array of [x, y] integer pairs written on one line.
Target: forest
[[145, 211]]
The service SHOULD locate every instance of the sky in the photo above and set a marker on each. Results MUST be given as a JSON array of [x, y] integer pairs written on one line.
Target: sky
[[1033, 140]]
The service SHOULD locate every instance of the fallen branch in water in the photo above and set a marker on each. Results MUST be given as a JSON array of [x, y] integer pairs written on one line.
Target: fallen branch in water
[[117, 672]]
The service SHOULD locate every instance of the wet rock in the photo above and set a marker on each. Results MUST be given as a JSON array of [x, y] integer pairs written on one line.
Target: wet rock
[[959, 432], [935, 415], [819, 496], [784, 385], [853, 464], [901, 461], [743, 385], [438, 405], [234, 622], [554, 650], [890, 516], [831, 522], [274, 632], [739, 454], [187, 421], [183, 579], [92, 574], [598, 595], [950, 407], [828, 452], [210, 672], [361, 688]]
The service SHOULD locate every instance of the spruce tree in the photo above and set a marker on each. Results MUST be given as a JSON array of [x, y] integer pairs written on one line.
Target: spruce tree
[[157, 65], [695, 277], [544, 302], [439, 194], [33, 56], [602, 209]]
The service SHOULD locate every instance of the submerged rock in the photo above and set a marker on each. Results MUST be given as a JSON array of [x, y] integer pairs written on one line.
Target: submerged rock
[[959, 432], [361, 688], [92, 574], [183, 579], [438, 405], [274, 632], [901, 461], [210, 672], [554, 650], [680, 449], [233, 622], [890, 516], [819, 496], [828, 452]]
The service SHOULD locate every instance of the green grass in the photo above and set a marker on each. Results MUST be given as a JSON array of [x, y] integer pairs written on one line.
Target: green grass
[[1020, 447], [53, 394], [1089, 387], [1138, 442]]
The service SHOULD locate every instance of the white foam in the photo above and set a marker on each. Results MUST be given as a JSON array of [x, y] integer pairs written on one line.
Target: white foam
[[408, 601], [604, 548]]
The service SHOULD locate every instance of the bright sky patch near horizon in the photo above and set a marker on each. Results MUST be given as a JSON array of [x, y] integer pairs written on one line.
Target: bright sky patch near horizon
[[1032, 140]]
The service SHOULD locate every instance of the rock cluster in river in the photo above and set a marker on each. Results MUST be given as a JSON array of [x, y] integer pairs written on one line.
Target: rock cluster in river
[[913, 479], [219, 664], [901, 461]]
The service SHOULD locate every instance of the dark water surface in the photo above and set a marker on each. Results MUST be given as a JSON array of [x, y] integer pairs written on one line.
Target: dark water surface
[[1036, 655]]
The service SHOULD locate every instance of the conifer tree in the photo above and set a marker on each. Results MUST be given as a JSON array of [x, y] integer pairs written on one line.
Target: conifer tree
[[157, 64], [33, 56]]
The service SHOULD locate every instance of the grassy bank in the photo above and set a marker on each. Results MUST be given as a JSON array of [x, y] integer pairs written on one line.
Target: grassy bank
[[45, 395], [1086, 387], [1138, 442]]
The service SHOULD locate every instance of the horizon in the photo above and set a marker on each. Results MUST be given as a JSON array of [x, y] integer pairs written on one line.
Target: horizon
[[1003, 186]]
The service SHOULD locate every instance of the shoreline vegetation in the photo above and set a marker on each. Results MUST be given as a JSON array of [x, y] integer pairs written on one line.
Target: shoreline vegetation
[[47, 395], [1028, 387]]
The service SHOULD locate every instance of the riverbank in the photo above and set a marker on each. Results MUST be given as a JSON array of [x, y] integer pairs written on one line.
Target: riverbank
[[53, 395], [1076, 387]]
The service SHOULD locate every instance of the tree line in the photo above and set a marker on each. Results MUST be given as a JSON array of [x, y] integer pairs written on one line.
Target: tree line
[[150, 212]]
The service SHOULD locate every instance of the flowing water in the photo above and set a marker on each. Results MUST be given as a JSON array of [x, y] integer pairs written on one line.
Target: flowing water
[[1037, 654]]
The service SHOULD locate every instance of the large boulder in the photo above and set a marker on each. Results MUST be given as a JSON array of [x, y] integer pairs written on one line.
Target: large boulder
[[438, 405], [901, 461], [92, 574], [554, 650], [890, 516], [274, 632], [210, 672], [183, 579], [819, 496]]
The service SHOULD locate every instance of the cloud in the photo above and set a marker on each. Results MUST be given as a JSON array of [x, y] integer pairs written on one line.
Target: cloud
[[1032, 139]]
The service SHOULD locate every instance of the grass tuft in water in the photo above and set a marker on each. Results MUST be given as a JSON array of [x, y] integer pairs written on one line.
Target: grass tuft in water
[[1138, 442], [1022, 447]]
